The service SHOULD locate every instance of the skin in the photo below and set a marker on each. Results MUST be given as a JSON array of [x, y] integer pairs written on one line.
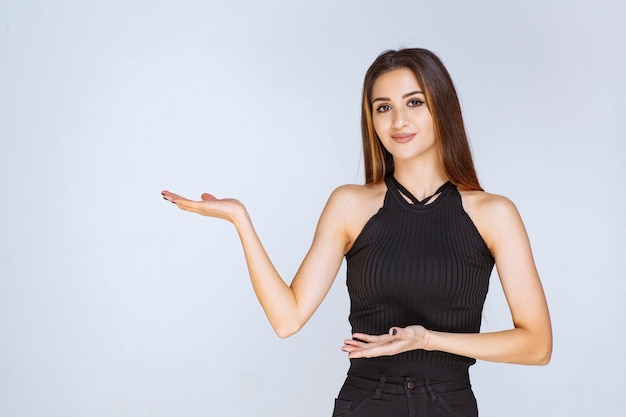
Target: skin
[[405, 126]]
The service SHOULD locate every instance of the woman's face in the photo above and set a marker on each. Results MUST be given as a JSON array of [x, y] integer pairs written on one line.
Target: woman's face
[[401, 117]]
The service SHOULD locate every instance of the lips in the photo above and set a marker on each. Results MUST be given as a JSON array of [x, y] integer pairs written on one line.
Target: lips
[[403, 137]]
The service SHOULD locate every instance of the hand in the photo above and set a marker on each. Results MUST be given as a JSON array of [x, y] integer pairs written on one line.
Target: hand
[[227, 208], [398, 340]]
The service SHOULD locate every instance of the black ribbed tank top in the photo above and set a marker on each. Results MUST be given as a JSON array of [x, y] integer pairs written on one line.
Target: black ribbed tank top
[[418, 262]]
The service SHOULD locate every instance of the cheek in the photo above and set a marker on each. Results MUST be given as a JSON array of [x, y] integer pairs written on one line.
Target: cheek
[[378, 126], [381, 137], [427, 120]]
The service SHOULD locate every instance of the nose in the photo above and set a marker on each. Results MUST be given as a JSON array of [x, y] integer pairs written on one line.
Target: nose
[[400, 118]]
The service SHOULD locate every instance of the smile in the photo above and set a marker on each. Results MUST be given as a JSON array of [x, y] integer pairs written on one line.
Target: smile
[[403, 137]]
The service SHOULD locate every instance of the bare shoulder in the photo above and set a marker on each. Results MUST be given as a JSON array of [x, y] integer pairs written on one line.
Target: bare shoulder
[[359, 193], [353, 205], [492, 214], [487, 203], [358, 200]]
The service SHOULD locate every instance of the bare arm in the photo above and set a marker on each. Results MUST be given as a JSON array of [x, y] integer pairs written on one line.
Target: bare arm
[[288, 307], [528, 342]]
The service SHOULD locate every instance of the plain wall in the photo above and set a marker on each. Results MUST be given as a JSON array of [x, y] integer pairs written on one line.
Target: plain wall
[[114, 303]]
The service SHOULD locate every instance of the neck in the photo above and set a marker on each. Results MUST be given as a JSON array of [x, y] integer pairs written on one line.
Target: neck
[[422, 180]]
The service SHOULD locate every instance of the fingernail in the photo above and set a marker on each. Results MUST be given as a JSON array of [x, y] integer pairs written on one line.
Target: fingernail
[[394, 332]]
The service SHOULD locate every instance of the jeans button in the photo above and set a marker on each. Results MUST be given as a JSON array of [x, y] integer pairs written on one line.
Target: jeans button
[[410, 385]]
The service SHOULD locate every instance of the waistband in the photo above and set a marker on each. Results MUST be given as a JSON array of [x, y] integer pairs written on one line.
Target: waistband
[[375, 368], [406, 385]]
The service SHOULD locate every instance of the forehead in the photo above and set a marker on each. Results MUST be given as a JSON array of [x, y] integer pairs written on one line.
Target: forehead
[[395, 82]]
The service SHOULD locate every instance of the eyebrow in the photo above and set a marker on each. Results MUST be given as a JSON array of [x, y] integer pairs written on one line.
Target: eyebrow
[[403, 96]]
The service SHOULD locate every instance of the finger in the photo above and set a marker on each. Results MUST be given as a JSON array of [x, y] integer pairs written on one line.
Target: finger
[[365, 337], [366, 352], [375, 350], [169, 196], [348, 348], [189, 205], [208, 197], [379, 340], [166, 195], [354, 342], [351, 346]]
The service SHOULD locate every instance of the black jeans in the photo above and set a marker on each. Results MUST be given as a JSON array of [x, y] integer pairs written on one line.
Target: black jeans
[[404, 397]]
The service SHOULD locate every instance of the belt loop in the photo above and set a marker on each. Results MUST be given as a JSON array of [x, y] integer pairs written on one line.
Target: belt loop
[[431, 390], [379, 387]]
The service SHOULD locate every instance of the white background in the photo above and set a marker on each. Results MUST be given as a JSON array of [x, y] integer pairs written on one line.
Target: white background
[[114, 303]]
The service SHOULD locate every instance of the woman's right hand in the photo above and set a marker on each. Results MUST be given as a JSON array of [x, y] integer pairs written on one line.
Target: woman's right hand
[[289, 307], [208, 205]]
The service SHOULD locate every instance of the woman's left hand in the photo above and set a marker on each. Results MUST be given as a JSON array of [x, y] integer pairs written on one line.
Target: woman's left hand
[[398, 340]]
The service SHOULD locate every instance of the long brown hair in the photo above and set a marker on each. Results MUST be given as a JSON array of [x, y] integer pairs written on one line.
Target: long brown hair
[[443, 103]]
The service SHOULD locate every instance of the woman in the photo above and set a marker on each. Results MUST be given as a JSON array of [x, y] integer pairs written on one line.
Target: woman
[[420, 239]]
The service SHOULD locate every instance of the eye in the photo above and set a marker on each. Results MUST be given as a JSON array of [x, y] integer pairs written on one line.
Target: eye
[[383, 108], [415, 103]]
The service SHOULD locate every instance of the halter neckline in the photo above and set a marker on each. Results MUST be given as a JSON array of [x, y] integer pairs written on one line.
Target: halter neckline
[[405, 194]]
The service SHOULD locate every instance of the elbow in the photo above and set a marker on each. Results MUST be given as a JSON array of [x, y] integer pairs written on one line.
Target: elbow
[[537, 347], [284, 333], [537, 360], [544, 357], [285, 323], [286, 330], [542, 354], [541, 361], [534, 357]]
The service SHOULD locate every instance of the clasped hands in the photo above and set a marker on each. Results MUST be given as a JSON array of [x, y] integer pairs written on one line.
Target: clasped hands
[[398, 340]]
